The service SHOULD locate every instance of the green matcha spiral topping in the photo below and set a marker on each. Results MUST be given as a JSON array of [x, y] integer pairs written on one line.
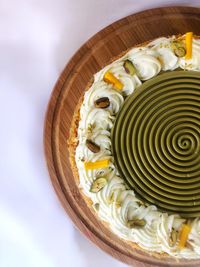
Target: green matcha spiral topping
[[156, 142]]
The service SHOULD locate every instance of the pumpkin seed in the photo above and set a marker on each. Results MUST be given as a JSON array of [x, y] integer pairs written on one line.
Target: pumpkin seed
[[178, 48], [136, 223], [129, 67], [98, 184], [102, 102], [180, 52], [173, 238], [92, 146]]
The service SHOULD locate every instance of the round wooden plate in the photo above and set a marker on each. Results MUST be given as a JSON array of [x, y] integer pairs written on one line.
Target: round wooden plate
[[89, 59]]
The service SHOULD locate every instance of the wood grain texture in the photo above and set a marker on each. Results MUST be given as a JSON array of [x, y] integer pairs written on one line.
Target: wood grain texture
[[89, 59]]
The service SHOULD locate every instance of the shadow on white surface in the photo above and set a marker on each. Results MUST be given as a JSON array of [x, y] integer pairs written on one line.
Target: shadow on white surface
[[92, 255]]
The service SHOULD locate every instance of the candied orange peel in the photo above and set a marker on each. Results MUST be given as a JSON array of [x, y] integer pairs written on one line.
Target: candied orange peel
[[186, 228], [96, 165], [110, 78], [188, 42]]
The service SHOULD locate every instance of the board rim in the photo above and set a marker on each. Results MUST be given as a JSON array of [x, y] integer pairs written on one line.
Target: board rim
[[48, 134]]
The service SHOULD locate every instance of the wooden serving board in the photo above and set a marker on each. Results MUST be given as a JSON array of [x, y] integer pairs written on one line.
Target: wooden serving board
[[89, 59]]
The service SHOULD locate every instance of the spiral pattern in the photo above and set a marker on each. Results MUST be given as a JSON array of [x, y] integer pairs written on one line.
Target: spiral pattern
[[156, 142]]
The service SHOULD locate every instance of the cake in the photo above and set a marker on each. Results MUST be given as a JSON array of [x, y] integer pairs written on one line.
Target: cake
[[135, 146]]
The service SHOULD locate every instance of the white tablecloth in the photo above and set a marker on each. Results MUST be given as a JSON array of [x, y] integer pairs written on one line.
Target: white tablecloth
[[37, 38]]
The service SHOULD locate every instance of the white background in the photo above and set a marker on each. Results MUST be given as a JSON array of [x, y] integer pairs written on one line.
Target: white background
[[37, 38]]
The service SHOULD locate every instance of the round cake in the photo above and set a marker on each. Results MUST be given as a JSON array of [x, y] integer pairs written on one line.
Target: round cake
[[135, 146]]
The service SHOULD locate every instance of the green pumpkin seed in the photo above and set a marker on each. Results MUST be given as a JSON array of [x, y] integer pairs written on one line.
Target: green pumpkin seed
[[173, 238], [180, 52], [129, 67], [136, 223], [98, 184], [178, 48]]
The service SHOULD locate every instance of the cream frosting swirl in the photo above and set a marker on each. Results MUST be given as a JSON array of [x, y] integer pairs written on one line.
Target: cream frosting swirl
[[146, 62], [115, 203], [162, 46]]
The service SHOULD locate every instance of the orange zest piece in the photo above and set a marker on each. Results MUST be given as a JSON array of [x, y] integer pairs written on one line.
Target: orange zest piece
[[184, 235], [96, 165], [110, 78], [188, 42]]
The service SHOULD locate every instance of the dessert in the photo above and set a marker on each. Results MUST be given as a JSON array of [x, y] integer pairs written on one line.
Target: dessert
[[135, 146]]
